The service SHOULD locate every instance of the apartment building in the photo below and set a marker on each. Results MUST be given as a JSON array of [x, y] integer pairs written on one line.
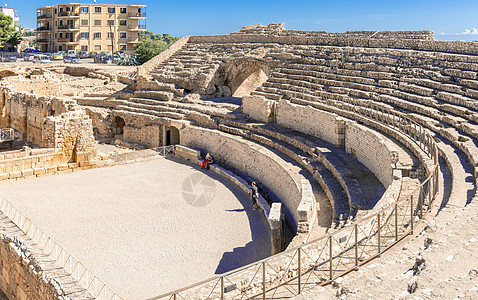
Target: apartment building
[[90, 27], [10, 11]]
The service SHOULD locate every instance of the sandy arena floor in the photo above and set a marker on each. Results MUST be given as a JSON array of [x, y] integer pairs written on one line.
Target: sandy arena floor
[[149, 227]]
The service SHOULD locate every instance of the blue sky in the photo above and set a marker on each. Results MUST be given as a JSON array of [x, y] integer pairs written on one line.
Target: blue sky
[[452, 20]]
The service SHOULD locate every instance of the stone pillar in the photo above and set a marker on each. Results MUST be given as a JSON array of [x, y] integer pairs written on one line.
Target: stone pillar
[[277, 228]]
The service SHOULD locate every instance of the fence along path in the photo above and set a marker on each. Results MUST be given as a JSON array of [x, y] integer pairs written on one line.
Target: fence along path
[[322, 260]]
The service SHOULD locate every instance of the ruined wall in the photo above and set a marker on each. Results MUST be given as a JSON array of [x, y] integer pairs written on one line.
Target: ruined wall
[[309, 120], [148, 135], [71, 134], [252, 159], [371, 150], [46, 84], [20, 276], [278, 29], [412, 44]]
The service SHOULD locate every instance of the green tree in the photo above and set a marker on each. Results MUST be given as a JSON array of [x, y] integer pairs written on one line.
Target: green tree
[[7, 29], [152, 44], [14, 39], [148, 48]]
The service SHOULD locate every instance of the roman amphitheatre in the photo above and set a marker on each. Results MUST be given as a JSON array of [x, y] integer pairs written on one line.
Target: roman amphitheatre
[[363, 145]]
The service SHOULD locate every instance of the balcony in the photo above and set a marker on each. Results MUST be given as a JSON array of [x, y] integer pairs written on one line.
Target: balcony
[[45, 16], [68, 41], [43, 28], [133, 40], [68, 27], [68, 14], [138, 15], [43, 40], [137, 27]]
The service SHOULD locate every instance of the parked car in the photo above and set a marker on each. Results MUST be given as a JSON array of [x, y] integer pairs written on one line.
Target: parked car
[[9, 58], [57, 56], [30, 50], [70, 53], [28, 57], [41, 58], [83, 54], [92, 54], [71, 59]]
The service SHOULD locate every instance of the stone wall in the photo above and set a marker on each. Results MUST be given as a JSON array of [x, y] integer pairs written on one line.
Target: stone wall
[[47, 121], [46, 84], [148, 135], [252, 159], [309, 120], [278, 29], [258, 108], [163, 56], [371, 150], [20, 276], [412, 44]]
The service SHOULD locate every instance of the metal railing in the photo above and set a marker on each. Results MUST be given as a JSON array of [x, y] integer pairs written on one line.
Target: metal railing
[[7, 135], [86, 278], [322, 260]]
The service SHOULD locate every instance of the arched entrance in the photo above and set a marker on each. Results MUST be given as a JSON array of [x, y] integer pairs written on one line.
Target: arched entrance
[[118, 125], [171, 136]]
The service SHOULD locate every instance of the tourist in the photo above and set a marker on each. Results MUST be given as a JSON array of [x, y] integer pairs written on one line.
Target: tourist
[[254, 192], [208, 159]]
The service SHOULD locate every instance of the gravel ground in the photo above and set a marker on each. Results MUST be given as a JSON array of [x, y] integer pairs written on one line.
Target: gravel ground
[[149, 227]]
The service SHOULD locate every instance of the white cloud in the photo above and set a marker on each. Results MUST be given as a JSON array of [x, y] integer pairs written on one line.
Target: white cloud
[[473, 31]]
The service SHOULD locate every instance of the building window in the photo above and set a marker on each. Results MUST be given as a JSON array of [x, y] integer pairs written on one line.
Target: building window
[[61, 23], [97, 22], [122, 47], [56, 11], [122, 35], [85, 35], [84, 9], [110, 35], [84, 22], [68, 8], [122, 10], [97, 9], [56, 23], [97, 36], [55, 35], [60, 35], [84, 48], [110, 22], [123, 23], [97, 48], [111, 10], [61, 9]]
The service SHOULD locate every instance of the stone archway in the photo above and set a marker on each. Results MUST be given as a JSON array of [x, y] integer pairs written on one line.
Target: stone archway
[[244, 75], [118, 125]]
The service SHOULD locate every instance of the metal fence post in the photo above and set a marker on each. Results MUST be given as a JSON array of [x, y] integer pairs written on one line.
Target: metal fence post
[[263, 280], [330, 260], [222, 287], [298, 270], [411, 213], [379, 229], [356, 246], [396, 222]]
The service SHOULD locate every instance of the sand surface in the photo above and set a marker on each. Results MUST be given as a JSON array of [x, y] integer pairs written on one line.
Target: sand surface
[[149, 227]]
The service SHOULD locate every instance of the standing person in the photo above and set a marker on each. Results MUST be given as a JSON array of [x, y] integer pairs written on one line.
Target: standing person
[[254, 192]]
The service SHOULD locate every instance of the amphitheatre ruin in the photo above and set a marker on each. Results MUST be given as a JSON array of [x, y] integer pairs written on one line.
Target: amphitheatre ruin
[[363, 144]]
